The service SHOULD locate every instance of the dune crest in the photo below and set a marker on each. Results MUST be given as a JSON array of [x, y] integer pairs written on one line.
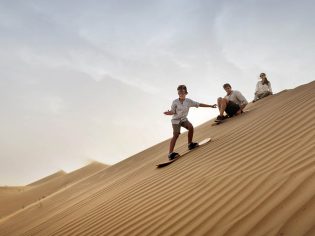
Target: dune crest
[[16, 198], [256, 177], [48, 178]]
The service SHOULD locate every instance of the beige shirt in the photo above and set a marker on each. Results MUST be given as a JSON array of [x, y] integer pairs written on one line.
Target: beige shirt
[[181, 110], [237, 98]]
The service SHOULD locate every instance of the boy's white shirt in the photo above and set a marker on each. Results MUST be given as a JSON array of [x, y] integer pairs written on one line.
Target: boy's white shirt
[[237, 98], [181, 110], [261, 88]]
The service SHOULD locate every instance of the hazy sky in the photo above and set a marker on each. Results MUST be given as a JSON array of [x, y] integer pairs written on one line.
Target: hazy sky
[[83, 80]]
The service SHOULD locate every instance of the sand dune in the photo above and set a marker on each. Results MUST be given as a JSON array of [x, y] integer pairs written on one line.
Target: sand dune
[[256, 177], [16, 198], [48, 178]]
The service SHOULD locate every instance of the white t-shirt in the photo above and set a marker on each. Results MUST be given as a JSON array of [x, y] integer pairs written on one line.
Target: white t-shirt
[[181, 110], [262, 88], [237, 98]]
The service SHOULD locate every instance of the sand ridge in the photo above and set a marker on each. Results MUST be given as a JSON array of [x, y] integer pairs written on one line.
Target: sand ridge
[[48, 178], [41, 189]]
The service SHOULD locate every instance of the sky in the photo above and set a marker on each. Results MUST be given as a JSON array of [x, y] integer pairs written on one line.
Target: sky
[[90, 80]]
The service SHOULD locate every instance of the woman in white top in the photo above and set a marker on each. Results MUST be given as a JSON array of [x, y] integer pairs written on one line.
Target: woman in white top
[[263, 88]]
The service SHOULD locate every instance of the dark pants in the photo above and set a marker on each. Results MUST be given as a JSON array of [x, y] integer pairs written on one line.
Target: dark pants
[[232, 108]]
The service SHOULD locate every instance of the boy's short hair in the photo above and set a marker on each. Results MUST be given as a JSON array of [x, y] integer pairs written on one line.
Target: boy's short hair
[[227, 85], [182, 87]]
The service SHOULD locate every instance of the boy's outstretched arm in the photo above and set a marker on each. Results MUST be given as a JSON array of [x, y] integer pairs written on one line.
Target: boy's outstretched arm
[[169, 113], [206, 105]]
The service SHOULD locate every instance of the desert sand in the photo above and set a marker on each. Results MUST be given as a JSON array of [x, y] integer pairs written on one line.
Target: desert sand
[[16, 198], [256, 177]]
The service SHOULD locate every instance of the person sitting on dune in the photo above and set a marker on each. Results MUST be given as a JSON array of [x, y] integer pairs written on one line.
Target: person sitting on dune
[[263, 88], [232, 104]]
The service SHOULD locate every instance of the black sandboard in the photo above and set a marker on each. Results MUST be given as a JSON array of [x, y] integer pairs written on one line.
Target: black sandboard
[[203, 142], [218, 122]]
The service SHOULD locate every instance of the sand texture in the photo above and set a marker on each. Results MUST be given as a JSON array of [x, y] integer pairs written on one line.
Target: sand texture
[[256, 177], [13, 199]]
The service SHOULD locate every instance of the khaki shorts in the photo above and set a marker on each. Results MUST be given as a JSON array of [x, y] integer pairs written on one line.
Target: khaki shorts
[[176, 127]]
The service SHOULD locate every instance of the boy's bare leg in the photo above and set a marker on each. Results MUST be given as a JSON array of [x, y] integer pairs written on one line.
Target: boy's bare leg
[[190, 133], [219, 103], [222, 103], [173, 142]]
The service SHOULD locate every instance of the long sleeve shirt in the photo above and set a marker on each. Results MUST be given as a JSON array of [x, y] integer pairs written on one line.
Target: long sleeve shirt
[[262, 88]]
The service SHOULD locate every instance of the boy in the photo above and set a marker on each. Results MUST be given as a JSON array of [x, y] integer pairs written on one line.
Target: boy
[[179, 110], [233, 103]]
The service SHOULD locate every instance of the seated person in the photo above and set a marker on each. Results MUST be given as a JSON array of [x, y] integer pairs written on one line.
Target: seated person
[[263, 88], [232, 104]]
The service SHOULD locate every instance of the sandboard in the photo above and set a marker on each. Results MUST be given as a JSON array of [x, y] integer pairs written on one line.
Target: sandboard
[[218, 122], [203, 142]]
